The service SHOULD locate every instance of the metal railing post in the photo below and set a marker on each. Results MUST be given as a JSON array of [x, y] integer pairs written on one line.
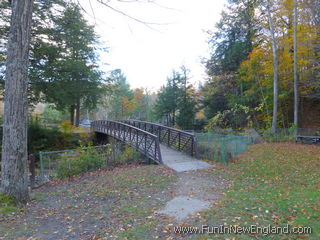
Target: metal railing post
[[41, 168], [192, 146]]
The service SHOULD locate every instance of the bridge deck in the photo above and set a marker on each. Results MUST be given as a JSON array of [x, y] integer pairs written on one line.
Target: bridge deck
[[181, 162]]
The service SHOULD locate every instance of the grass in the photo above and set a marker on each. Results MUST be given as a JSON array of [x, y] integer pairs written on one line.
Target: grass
[[276, 184], [7, 205]]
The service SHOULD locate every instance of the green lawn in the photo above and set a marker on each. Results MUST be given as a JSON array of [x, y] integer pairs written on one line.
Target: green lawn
[[274, 183]]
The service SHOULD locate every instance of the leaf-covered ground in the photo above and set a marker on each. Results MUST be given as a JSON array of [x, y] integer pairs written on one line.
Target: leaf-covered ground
[[109, 204], [274, 183]]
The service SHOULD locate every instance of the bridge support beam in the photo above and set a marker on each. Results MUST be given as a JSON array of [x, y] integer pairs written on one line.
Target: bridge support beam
[[102, 138]]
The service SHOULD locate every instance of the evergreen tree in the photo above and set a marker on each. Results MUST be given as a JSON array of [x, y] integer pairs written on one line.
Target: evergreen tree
[[119, 99], [65, 67], [176, 102], [233, 40], [168, 99]]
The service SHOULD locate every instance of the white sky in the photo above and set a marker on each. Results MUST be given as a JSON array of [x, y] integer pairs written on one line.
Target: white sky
[[148, 56]]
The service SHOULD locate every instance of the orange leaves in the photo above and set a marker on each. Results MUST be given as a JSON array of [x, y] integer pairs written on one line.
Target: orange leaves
[[127, 105]]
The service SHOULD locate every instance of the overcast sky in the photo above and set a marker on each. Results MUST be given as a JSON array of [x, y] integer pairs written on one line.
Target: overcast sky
[[147, 56]]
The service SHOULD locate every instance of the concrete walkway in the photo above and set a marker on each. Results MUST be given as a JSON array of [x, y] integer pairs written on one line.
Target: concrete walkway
[[181, 162], [193, 189]]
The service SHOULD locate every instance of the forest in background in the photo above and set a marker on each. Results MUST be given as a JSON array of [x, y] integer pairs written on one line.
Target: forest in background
[[241, 66], [238, 91]]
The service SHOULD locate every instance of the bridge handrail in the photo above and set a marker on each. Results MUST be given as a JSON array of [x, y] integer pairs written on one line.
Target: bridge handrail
[[172, 137], [128, 125], [143, 141]]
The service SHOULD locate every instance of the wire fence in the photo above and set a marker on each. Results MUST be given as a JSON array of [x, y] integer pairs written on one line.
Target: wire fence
[[306, 135], [67, 163], [221, 148]]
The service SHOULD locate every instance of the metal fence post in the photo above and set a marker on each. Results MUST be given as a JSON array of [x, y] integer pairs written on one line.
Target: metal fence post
[[41, 167]]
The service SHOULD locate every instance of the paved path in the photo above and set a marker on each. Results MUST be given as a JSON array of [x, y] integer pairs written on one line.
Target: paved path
[[192, 187], [181, 162]]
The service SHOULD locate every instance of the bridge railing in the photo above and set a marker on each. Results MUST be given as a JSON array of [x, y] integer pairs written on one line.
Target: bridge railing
[[143, 141], [174, 138]]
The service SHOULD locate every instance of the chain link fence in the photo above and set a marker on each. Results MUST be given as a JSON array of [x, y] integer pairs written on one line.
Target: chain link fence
[[67, 163], [221, 148]]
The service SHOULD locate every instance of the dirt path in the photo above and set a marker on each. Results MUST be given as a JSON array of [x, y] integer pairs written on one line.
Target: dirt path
[[194, 191]]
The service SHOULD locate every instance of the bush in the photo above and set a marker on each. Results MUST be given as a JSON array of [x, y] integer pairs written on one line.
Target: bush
[[281, 135], [75, 163], [67, 127], [51, 115], [129, 155], [237, 117], [41, 138]]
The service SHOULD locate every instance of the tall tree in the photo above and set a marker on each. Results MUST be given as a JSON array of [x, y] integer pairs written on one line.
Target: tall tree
[[233, 40], [14, 149], [118, 101], [295, 65], [187, 103], [231, 44], [66, 72], [168, 99], [275, 68], [176, 101]]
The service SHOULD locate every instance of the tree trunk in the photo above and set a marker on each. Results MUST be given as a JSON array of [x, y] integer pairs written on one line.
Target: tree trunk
[[295, 66], [14, 148], [72, 108], [78, 113], [275, 70], [173, 118]]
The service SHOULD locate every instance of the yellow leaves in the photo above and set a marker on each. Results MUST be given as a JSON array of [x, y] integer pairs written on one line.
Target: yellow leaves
[[138, 95], [200, 114], [127, 105], [67, 126]]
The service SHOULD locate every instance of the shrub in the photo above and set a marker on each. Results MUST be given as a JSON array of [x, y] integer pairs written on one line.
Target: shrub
[[51, 115], [129, 155], [67, 127], [70, 138], [42, 138], [75, 163], [282, 135], [237, 117]]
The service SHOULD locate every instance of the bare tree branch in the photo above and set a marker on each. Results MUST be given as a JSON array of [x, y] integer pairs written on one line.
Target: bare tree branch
[[147, 24], [94, 16]]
